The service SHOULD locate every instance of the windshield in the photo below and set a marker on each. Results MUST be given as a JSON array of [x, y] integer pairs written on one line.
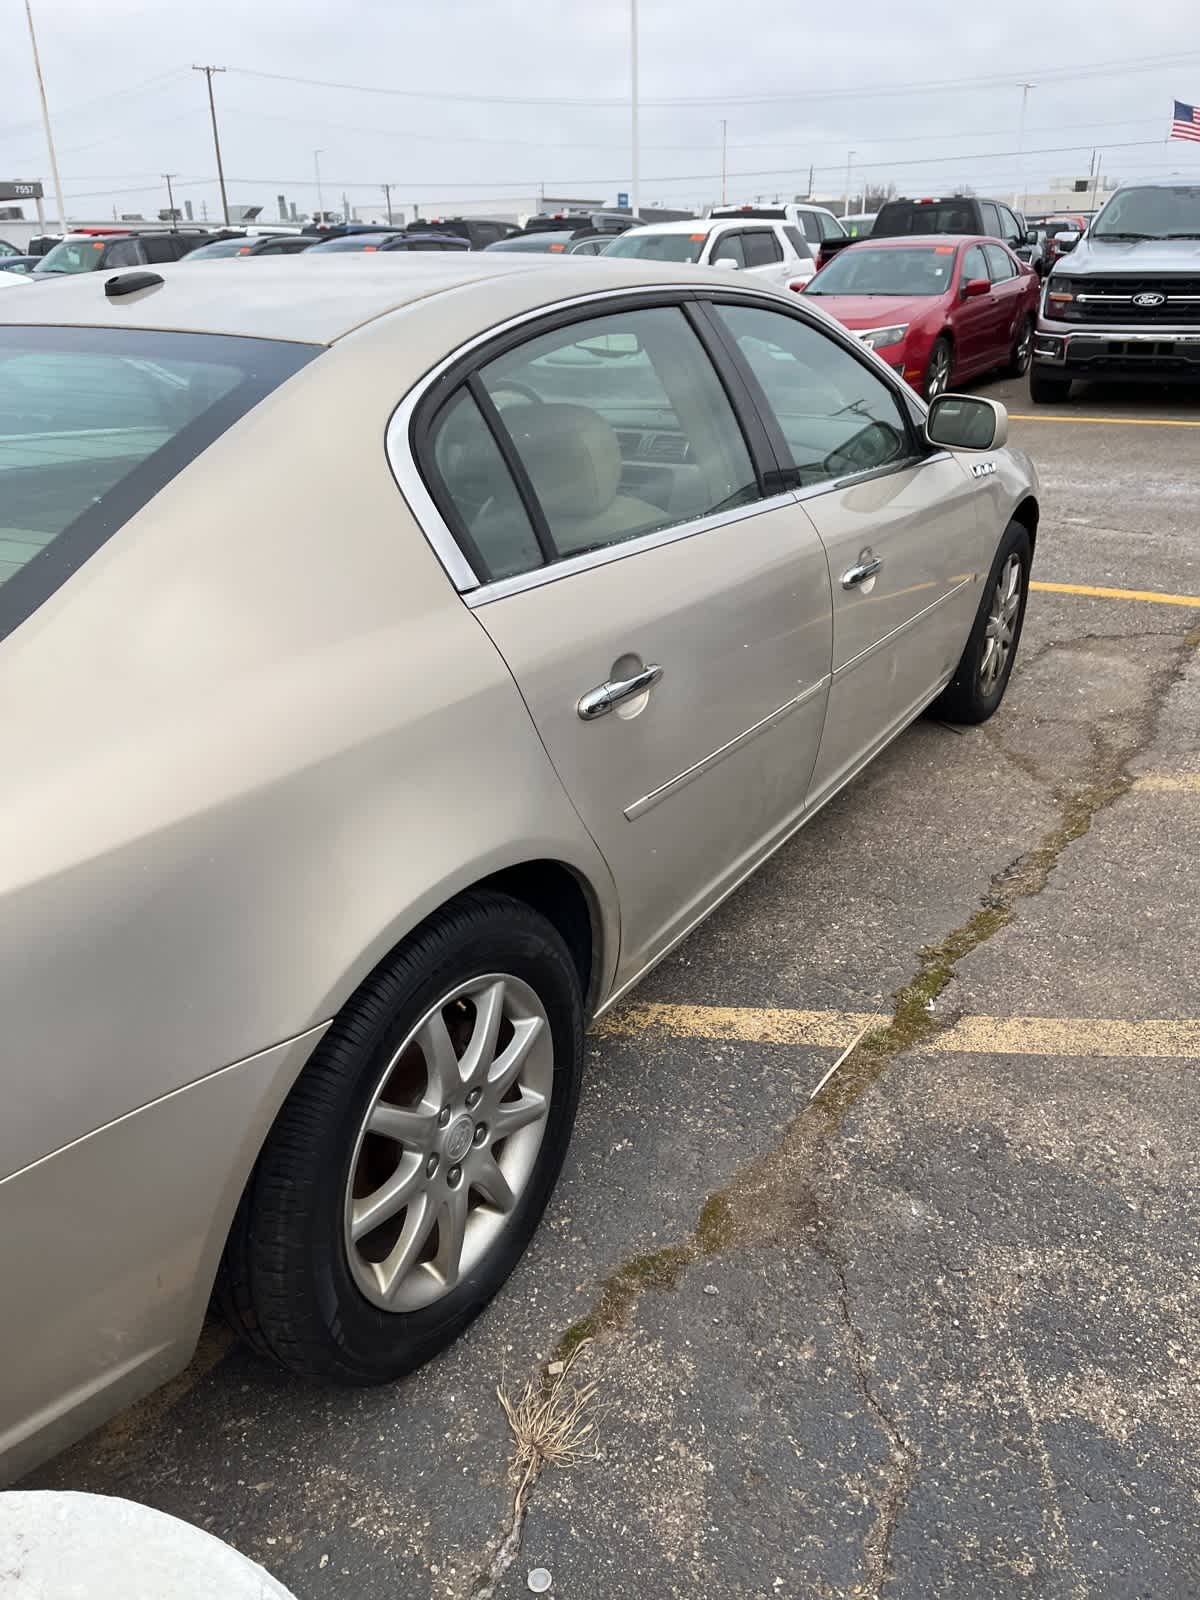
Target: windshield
[[939, 216], [543, 241], [222, 247], [94, 422], [1166, 211], [659, 246], [352, 241], [898, 272], [73, 255]]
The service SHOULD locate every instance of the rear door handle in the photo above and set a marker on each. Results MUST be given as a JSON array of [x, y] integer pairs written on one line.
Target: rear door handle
[[860, 572], [596, 702]]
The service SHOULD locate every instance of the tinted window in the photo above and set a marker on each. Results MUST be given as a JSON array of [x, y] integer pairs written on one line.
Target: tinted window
[[974, 264], [999, 262], [940, 216], [797, 241], [160, 248], [812, 226], [761, 248], [93, 422], [728, 247], [837, 417], [124, 253], [484, 233], [218, 249], [622, 428], [989, 219]]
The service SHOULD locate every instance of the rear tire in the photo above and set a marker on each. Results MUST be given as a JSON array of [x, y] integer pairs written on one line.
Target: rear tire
[[1046, 391], [977, 688], [299, 1275]]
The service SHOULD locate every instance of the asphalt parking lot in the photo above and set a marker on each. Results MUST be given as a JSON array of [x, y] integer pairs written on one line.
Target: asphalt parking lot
[[931, 1333]]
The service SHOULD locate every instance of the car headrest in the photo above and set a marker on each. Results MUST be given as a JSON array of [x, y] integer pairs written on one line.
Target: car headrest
[[571, 455]]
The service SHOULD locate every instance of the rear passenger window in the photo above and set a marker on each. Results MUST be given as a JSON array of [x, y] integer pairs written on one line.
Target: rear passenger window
[[990, 218], [125, 253], [837, 417], [797, 241], [728, 247], [160, 248], [761, 248], [812, 226], [830, 228], [619, 426]]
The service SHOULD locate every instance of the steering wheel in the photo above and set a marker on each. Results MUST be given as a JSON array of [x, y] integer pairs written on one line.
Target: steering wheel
[[521, 389]]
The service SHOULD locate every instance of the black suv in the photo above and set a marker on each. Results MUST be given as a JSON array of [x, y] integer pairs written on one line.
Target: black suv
[[1124, 301], [479, 232], [957, 214], [95, 250]]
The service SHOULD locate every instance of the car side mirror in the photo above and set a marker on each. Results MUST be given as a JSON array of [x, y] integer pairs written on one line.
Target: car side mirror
[[1066, 242], [974, 287], [727, 262], [966, 422], [1031, 236]]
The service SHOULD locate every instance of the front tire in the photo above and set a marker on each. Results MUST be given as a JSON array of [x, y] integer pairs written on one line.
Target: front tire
[[1048, 391], [977, 688], [413, 1159], [939, 368], [1022, 351]]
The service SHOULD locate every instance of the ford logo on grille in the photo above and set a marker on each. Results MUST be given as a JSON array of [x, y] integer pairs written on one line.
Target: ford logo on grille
[[1149, 299]]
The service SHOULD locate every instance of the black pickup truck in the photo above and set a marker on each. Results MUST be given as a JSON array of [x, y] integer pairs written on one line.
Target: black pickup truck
[[1123, 302]]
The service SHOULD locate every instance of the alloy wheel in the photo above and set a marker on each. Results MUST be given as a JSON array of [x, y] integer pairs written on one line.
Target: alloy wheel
[[1000, 633], [938, 380], [449, 1142]]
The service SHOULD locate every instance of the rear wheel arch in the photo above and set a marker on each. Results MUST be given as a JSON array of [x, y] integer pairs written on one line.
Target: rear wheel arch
[[1028, 514]]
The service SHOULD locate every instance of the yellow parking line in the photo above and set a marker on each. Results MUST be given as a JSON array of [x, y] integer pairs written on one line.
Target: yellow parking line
[[1152, 596], [1169, 782], [1107, 422], [1146, 1039]]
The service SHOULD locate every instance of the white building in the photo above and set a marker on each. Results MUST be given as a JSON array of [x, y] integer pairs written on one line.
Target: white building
[[504, 208]]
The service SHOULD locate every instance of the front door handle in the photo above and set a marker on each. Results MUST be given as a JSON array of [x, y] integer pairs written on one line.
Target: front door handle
[[865, 567], [596, 702]]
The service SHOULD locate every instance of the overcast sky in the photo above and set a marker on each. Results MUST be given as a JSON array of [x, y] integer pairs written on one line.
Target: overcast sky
[[798, 83]]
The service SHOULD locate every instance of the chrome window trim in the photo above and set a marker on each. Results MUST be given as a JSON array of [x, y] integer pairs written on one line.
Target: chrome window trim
[[681, 779], [485, 593], [411, 484]]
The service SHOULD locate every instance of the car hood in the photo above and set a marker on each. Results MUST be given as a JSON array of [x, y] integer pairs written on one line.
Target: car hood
[[1105, 256], [875, 310]]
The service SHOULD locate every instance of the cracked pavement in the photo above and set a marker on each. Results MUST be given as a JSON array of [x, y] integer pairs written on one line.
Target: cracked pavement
[[933, 1333]]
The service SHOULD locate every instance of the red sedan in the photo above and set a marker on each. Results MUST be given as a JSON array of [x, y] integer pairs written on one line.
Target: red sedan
[[938, 308]]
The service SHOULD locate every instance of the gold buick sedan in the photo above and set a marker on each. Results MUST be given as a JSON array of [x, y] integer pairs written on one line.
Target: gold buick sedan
[[397, 658]]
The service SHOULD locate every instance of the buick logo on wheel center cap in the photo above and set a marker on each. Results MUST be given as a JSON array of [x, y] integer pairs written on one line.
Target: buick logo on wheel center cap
[[458, 1140], [1149, 299]]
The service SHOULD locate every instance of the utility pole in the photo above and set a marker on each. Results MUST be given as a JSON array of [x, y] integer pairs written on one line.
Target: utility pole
[[171, 198], [724, 163], [811, 176], [634, 187], [850, 155], [320, 198], [212, 111], [37, 67], [387, 195], [1025, 88]]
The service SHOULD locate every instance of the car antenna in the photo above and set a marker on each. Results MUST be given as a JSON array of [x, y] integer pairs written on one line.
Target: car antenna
[[130, 282]]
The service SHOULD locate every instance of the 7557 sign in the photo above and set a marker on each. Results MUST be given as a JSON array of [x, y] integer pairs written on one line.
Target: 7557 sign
[[20, 191]]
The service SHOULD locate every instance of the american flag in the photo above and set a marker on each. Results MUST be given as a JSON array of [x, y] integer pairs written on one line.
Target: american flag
[[1187, 122]]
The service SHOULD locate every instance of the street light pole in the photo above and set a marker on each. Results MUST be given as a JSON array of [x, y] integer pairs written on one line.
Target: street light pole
[[724, 162], [171, 197], [212, 111], [320, 198], [850, 155], [634, 187], [1025, 88], [37, 67], [387, 195]]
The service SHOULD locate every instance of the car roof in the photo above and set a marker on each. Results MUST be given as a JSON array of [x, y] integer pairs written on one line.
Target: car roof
[[918, 241], [315, 299]]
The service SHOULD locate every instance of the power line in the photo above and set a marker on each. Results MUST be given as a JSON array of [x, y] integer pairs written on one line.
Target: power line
[[808, 94]]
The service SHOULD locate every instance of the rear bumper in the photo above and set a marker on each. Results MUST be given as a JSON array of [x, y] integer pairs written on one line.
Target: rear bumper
[[1158, 355], [109, 1247]]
